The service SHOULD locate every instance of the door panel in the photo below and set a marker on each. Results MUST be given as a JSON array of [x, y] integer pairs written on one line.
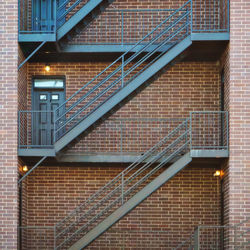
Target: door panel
[[43, 121], [43, 15]]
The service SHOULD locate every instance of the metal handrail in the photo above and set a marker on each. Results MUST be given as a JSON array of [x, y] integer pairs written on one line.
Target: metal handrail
[[188, 240], [123, 184], [119, 58], [130, 179], [139, 160], [73, 6], [171, 26], [232, 227], [107, 88]]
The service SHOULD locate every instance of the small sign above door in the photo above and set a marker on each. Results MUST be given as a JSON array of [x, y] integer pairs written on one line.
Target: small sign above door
[[49, 83]]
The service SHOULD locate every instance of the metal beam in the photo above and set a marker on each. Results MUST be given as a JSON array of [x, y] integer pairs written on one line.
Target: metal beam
[[219, 36], [108, 48], [34, 51], [32, 169], [36, 152], [209, 153]]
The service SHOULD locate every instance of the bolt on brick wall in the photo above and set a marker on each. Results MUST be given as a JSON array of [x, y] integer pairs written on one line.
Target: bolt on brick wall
[[192, 197], [8, 125], [185, 87]]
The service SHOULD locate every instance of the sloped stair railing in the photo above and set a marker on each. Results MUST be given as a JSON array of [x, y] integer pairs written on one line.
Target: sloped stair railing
[[169, 33], [123, 70], [122, 187]]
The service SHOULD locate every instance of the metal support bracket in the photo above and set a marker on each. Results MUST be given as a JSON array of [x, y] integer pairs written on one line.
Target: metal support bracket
[[32, 169], [33, 52]]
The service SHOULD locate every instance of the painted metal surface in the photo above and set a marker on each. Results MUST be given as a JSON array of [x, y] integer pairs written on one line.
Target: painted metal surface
[[39, 20], [122, 187], [77, 17], [132, 203], [87, 107], [122, 94]]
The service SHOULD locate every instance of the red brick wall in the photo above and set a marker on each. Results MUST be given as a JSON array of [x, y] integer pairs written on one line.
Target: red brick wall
[[8, 125], [238, 180], [192, 197], [188, 86]]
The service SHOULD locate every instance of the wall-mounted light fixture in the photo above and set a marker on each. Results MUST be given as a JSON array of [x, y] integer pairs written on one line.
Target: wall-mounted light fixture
[[47, 68], [25, 168], [219, 173]]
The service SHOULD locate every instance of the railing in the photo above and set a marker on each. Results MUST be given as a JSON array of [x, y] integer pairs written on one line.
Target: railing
[[123, 70], [122, 187], [138, 175], [187, 244], [129, 137], [37, 17], [210, 16], [209, 130], [218, 237], [36, 237], [118, 26], [126, 27], [36, 129], [67, 9]]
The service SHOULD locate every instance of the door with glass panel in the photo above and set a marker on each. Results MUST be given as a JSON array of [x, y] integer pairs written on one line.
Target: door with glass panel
[[48, 95]]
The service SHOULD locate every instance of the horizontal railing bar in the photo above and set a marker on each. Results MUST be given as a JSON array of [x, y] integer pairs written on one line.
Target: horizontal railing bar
[[100, 213], [130, 50], [131, 178], [126, 73], [36, 227], [106, 90], [205, 112], [140, 10], [141, 158]]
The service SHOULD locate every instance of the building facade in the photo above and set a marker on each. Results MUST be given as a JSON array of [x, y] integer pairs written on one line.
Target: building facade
[[124, 124]]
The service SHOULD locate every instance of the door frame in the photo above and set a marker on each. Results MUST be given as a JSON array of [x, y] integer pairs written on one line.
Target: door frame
[[62, 77]]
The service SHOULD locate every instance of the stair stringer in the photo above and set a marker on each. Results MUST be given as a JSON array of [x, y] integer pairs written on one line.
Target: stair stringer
[[77, 17], [169, 173], [123, 93]]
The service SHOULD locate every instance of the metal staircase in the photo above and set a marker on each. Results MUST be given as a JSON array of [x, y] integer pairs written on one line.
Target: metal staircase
[[55, 20], [84, 11], [123, 77], [114, 84], [127, 190]]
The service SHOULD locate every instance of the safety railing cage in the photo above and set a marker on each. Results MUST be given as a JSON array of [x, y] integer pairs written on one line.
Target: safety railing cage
[[117, 26], [208, 131]]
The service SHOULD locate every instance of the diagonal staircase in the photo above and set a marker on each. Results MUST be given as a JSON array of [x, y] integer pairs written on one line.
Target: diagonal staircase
[[124, 76], [127, 190], [73, 16]]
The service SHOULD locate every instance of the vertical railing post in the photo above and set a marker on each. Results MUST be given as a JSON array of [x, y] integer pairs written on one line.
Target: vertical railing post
[[191, 21], [227, 128], [122, 191], [55, 237], [228, 17], [122, 71], [197, 238], [121, 139], [19, 127], [55, 16], [190, 118], [54, 127], [122, 28], [235, 238]]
